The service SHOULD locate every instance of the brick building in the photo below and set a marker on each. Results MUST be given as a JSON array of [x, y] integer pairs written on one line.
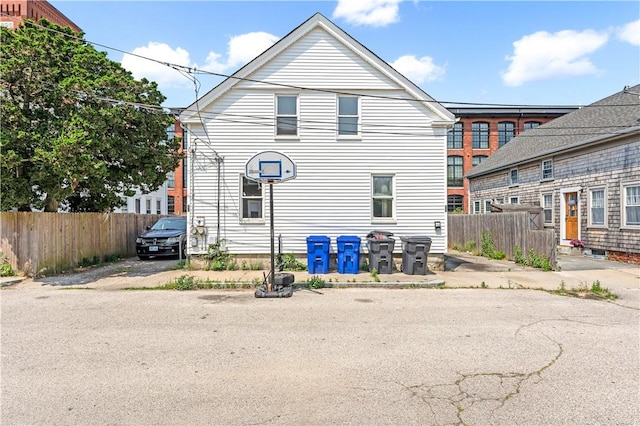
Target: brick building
[[481, 131], [177, 180], [13, 12]]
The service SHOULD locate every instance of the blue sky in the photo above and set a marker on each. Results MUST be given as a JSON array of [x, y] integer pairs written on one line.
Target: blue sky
[[502, 52]]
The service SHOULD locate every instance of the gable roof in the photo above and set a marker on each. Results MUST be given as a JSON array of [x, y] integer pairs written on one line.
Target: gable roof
[[318, 21], [606, 119]]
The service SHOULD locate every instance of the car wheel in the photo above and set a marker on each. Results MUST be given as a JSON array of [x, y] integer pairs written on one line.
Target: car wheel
[[143, 257]]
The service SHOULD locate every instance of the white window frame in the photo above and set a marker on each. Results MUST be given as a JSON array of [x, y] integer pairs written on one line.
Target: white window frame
[[147, 204], [517, 180], [516, 198], [549, 169], [159, 206], [295, 116], [374, 197], [356, 116], [137, 205], [546, 207], [623, 204], [249, 198], [590, 203], [476, 207], [487, 206]]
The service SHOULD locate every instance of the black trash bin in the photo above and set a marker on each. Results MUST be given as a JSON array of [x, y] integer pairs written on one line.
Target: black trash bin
[[381, 247], [414, 254]]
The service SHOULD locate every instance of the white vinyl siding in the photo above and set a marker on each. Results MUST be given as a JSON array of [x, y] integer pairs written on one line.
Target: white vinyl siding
[[332, 193]]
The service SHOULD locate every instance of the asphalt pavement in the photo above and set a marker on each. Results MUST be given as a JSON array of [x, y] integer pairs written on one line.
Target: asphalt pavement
[[359, 356]]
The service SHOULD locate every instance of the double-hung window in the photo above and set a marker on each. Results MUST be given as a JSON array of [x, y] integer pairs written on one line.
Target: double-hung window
[[547, 208], [454, 137], [382, 197], [631, 204], [597, 207], [476, 207], [506, 131], [514, 179], [480, 135], [286, 115], [171, 179], [546, 169], [251, 196], [348, 116]]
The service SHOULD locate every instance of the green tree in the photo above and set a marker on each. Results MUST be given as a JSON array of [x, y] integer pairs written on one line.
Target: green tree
[[76, 130]]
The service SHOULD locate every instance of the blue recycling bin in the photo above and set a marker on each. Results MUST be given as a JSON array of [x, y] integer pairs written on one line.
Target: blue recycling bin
[[348, 254], [318, 254]]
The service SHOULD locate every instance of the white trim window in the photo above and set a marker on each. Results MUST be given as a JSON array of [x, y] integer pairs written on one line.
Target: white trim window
[[546, 169], [251, 200], [597, 207], [487, 206], [382, 198], [286, 115], [514, 200], [513, 177], [631, 205], [348, 116], [547, 208], [477, 206]]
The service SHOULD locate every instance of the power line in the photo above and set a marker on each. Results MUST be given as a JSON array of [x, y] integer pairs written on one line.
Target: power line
[[193, 70]]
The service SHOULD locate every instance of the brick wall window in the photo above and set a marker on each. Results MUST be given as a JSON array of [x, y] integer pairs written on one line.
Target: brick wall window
[[455, 203], [477, 159], [454, 171], [454, 137], [531, 125], [506, 132], [480, 135]]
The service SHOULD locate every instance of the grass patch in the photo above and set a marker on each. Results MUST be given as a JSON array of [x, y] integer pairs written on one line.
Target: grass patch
[[584, 291]]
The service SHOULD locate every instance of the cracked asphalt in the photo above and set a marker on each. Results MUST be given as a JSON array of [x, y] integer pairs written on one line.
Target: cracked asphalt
[[356, 356]]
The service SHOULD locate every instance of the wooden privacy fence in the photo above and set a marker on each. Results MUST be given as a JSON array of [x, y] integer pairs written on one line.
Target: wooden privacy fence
[[508, 230], [37, 244]]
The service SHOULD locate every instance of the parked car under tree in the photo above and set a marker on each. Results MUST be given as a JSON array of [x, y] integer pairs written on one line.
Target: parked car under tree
[[167, 237]]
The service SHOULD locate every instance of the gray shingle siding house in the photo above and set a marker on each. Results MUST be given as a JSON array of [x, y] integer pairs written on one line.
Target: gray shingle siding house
[[583, 169]]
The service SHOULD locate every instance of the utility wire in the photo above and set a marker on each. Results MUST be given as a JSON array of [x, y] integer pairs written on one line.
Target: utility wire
[[192, 70]]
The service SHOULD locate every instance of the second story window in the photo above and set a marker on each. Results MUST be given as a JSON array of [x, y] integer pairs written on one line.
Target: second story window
[[480, 135], [454, 137], [348, 115], [506, 131], [513, 177], [286, 115], [546, 169], [171, 179]]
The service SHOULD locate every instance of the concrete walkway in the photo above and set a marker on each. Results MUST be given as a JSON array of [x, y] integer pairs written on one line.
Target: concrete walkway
[[463, 270]]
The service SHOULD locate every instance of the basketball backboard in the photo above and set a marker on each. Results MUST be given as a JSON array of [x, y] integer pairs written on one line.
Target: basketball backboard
[[271, 167]]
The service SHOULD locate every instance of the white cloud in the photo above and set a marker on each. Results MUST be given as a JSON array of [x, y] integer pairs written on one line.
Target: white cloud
[[418, 70], [162, 74], [376, 13], [241, 49], [630, 32], [543, 55]]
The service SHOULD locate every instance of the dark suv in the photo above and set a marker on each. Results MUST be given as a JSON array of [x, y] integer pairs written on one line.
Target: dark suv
[[165, 238]]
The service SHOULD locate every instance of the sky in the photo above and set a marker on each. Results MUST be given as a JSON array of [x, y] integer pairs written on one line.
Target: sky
[[459, 52]]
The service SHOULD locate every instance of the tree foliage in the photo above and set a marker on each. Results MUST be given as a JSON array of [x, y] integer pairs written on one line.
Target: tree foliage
[[76, 128]]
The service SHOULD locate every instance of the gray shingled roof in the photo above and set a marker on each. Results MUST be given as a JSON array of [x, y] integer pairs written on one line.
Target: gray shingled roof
[[616, 114]]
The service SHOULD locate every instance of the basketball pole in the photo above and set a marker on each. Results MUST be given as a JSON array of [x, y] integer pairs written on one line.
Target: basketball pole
[[270, 284]]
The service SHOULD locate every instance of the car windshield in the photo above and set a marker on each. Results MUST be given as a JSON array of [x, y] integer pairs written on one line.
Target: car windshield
[[170, 224]]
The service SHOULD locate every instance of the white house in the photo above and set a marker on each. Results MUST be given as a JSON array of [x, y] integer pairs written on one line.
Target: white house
[[369, 146], [154, 202]]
